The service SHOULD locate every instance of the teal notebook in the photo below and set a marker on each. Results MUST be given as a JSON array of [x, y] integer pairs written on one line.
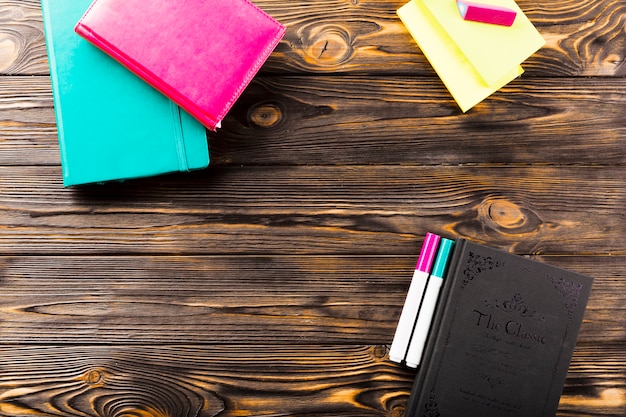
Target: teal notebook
[[111, 125]]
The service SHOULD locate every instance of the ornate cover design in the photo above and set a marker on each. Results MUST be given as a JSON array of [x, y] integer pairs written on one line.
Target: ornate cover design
[[431, 408], [500, 347], [200, 53], [477, 264], [570, 292]]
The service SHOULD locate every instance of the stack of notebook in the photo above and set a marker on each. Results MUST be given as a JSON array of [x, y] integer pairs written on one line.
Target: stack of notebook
[[491, 333], [135, 92], [473, 58]]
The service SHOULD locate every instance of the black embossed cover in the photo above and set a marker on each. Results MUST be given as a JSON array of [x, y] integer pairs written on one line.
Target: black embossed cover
[[506, 327]]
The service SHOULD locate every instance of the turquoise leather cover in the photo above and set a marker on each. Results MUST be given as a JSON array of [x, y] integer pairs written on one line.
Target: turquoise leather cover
[[112, 125]]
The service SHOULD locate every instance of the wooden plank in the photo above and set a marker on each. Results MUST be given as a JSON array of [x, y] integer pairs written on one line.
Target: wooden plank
[[352, 120], [591, 393], [584, 38], [316, 210], [348, 120], [251, 380], [242, 299], [28, 131]]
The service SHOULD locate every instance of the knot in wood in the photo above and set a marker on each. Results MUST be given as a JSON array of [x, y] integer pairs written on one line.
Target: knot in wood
[[507, 217], [506, 214], [397, 411], [327, 45], [266, 115], [95, 377], [14, 13], [9, 49], [380, 351]]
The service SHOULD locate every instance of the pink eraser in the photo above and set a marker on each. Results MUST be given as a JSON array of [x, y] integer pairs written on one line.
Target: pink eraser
[[486, 13]]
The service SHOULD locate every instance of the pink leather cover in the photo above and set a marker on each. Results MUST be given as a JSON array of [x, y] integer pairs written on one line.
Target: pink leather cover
[[199, 53]]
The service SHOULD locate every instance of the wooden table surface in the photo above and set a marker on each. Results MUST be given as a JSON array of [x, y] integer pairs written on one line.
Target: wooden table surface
[[270, 284]]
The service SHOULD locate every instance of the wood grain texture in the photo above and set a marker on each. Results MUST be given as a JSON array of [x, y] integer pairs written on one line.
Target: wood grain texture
[[589, 393], [584, 38], [180, 381], [316, 210], [271, 283], [218, 300], [22, 43], [408, 120], [28, 132], [250, 380]]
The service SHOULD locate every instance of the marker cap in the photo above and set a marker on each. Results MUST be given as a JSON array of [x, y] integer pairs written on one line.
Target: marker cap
[[443, 256], [428, 252]]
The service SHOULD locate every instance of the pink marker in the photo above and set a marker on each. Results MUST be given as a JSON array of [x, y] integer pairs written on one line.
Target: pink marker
[[486, 13], [402, 337]]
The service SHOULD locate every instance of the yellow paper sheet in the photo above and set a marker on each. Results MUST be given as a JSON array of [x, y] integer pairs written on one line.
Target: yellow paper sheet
[[492, 49], [455, 70]]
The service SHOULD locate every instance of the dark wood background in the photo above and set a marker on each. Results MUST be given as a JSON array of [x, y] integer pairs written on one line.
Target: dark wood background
[[271, 283]]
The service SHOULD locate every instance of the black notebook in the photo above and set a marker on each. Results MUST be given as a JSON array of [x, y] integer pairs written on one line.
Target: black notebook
[[502, 337]]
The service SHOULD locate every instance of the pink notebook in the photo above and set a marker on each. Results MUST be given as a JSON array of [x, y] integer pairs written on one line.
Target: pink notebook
[[199, 53]]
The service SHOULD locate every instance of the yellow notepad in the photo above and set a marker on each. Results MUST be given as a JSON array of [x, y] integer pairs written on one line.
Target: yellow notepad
[[492, 49], [465, 55]]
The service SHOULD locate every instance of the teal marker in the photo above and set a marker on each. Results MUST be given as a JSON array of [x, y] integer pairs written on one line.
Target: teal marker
[[429, 302]]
